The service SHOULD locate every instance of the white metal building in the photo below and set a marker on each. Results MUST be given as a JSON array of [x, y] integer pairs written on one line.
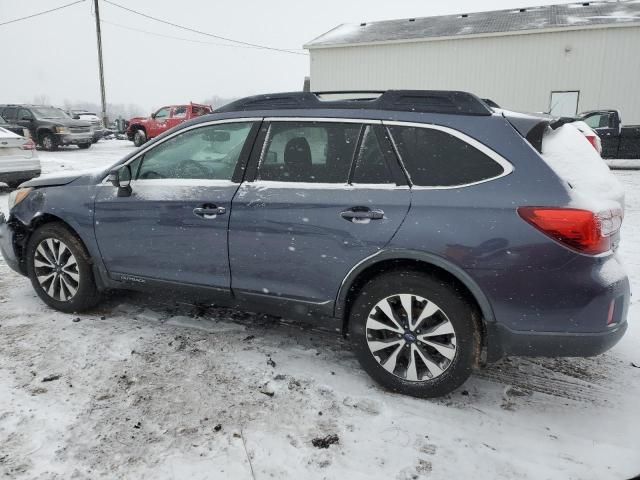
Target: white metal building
[[559, 58]]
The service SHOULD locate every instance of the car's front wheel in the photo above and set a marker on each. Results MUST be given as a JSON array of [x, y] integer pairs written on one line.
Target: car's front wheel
[[414, 333], [49, 142], [139, 138], [84, 146], [60, 269]]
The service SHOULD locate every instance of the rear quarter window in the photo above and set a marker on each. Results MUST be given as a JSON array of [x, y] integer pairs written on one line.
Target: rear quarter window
[[435, 158]]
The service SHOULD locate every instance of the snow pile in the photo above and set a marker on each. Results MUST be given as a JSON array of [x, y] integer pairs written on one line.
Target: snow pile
[[574, 159]]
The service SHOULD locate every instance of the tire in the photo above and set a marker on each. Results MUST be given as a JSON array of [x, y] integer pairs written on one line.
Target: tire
[[84, 146], [437, 371], [139, 138], [49, 142], [50, 252]]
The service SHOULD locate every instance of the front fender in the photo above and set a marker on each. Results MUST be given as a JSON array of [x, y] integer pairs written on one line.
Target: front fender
[[71, 205]]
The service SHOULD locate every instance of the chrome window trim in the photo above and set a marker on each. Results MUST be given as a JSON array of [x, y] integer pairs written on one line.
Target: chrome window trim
[[499, 159], [505, 164], [327, 186], [185, 182], [324, 119]]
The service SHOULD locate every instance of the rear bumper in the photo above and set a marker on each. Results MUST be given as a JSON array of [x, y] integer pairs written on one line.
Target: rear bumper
[[23, 176], [554, 344], [7, 245], [579, 310]]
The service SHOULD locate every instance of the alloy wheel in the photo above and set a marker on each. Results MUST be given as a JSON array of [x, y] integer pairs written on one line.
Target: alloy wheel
[[411, 337], [56, 269]]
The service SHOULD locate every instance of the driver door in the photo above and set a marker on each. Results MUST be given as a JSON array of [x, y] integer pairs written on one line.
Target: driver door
[[159, 123], [173, 226]]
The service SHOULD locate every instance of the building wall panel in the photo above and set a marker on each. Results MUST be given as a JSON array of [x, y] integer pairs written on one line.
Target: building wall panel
[[516, 71]]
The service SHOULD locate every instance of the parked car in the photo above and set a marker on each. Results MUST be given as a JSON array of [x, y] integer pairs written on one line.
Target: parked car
[[18, 158], [421, 224], [618, 141], [141, 129], [97, 127], [49, 127]]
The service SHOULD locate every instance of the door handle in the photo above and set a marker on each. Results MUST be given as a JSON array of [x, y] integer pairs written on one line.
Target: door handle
[[209, 211], [362, 214]]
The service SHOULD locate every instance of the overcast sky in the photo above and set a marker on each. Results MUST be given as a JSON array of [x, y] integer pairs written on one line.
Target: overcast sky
[[55, 54]]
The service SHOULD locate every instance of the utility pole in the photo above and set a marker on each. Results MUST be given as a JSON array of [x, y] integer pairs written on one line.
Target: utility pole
[[102, 92]]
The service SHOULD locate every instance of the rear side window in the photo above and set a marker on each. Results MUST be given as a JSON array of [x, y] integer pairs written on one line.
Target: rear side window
[[198, 111], [310, 152], [434, 158], [9, 113], [371, 166], [180, 112]]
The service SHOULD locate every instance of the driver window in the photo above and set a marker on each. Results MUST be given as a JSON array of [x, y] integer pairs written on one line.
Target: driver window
[[24, 115], [599, 120], [163, 113], [209, 152]]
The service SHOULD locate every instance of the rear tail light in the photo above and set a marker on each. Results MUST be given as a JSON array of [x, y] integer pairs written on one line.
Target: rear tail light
[[580, 230], [29, 145], [594, 140]]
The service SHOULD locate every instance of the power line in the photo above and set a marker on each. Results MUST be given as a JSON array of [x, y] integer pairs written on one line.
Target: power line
[[189, 29], [41, 13], [126, 27]]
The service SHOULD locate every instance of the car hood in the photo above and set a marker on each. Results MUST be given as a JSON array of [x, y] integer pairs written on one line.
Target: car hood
[[67, 122], [65, 178]]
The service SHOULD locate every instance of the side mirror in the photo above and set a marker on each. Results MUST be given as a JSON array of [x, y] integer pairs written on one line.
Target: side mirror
[[153, 115], [121, 179], [76, 117]]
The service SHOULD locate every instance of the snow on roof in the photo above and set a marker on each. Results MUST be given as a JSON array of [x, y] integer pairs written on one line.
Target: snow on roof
[[575, 15]]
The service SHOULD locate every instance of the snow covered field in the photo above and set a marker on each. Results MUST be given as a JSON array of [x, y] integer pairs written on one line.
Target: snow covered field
[[147, 389]]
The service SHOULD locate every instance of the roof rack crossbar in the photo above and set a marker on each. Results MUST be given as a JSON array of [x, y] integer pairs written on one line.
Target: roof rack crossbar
[[423, 101]]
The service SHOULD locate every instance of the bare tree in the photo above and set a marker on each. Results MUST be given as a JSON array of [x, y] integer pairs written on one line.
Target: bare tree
[[42, 99]]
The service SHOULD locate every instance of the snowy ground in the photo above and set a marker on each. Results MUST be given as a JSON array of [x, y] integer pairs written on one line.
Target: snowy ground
[[148, 390]]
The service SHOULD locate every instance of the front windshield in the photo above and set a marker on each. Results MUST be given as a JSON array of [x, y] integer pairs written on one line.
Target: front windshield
[[49, 112]]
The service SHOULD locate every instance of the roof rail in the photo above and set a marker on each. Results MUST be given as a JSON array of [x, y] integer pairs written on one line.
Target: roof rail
[[424, 101]]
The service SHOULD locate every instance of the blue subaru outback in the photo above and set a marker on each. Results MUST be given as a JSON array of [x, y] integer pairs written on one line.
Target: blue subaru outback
[[422, 224]]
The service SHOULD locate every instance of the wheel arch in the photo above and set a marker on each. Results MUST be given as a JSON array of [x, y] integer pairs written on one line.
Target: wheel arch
[[137, 126], [44, 218], [41, 132], [389, 260]]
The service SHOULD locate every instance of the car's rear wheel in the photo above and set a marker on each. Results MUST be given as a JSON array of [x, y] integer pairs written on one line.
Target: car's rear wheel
[[84, 146], [414, 334], [49, 142], [60, 269], [139, 138]]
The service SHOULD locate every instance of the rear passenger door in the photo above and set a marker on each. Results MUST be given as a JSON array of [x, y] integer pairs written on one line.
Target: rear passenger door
[[323, 196], [178, 115]]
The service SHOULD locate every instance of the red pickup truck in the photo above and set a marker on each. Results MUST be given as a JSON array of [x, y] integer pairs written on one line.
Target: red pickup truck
[[142, 129]]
